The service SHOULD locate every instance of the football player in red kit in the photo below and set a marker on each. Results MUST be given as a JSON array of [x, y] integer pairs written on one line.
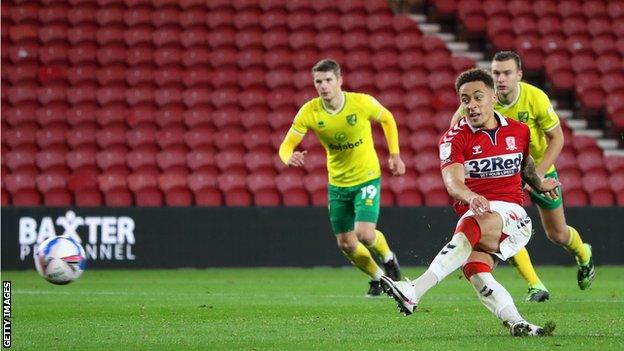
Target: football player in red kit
[[484, 159]]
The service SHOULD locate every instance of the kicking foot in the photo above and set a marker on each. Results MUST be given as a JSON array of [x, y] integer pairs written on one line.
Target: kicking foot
[[402, 292]]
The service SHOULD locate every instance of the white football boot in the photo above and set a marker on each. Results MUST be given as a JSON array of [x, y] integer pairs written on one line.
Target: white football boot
[[402, 292]]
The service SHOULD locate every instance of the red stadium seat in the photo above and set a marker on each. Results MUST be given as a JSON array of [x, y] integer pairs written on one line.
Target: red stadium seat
[[110, 35], [82, 161], [142, 160], [302, 39], [590, 160], [594, 182], [614, 163], [602, 198], [316, 185], [234, 188], [166, 35], [204, 188], [290, 185], [199, 136], [432, 180], [142, 136], [139, 95], [172, 161], [53, 187], [575, 198], [263, 188], [51, 161], [52, 136], [405, 190], [570, 9], [175, 190], [84, 188], [194, 36], [53, 13], [112, 161], [197, 116], [22, 189], [21, 161], [145, 189], [194, 76]]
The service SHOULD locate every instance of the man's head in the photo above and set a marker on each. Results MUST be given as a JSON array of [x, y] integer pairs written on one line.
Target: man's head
[[327, 79], [507, 72], [475, 88]]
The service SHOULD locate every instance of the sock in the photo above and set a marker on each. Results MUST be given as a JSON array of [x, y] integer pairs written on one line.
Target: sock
[[493, 295], [380, 247], [452, 256], [522, 262], [457, 251], [575, 245], [362, 259]]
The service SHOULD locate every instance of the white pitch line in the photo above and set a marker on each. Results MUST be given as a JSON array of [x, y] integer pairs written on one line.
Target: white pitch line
[[222, 295]]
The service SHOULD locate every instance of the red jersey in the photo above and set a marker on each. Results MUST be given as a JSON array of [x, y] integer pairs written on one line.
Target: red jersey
[[492, 158]]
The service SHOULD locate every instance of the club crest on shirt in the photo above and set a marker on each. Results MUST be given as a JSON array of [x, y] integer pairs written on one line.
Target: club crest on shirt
[[352, 119], [523, 116], [321, 124], [476, 150], [511, 143]]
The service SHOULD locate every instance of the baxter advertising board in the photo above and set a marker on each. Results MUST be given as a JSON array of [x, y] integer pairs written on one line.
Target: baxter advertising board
[[162, 237]]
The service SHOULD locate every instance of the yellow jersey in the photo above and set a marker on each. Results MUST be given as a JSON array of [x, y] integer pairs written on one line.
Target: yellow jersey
[[346, 136], [533, 108]]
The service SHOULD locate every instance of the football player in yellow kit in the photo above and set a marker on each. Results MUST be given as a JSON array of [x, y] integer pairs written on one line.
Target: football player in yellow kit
[[530, 105], [342, 122]]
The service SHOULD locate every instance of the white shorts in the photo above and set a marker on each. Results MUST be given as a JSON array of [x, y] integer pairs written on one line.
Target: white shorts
[[516, 225]]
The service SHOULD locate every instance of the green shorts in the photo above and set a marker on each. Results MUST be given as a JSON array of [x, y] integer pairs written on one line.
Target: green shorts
[[358, 203], [545, 202]]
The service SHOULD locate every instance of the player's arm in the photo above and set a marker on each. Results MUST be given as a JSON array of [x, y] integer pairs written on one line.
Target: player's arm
[[287, 152], [456, 117], [546, 186], [555, 145], [454, 180], [391, 132]]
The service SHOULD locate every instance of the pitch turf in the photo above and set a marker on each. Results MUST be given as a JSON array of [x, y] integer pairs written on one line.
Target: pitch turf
[[299, 309]]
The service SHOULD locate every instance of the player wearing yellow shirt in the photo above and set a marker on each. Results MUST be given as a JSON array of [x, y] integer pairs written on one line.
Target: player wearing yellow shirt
[[529, 104], [341, 121]]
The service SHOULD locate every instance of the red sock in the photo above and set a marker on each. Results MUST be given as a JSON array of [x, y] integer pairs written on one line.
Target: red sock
[[470, 227], [475, 267]]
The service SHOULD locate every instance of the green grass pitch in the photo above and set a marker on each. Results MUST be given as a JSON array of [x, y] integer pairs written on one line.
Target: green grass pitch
[[300, 309]]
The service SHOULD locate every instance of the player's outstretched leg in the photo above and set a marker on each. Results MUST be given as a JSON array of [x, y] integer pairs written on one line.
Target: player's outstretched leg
[[381, 248], [452, 256], [498, 300], [537, 290]]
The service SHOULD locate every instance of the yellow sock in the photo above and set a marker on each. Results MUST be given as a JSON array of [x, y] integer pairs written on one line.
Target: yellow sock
[[362, 259], [575, 245], [522, 262], [380, 247]]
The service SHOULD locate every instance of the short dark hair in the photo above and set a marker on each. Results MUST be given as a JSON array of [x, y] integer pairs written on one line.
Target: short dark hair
[[327, 65], [508, 55], [474, 75]]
